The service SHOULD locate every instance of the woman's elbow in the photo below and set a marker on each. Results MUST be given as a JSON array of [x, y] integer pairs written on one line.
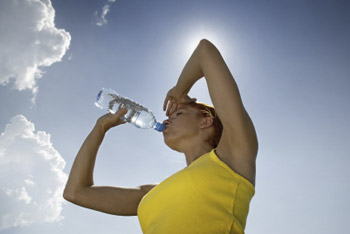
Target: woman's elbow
[[205, 44], [207, 48], [69, 195]]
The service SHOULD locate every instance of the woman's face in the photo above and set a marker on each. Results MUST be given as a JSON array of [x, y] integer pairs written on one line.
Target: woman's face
[[182, 126]]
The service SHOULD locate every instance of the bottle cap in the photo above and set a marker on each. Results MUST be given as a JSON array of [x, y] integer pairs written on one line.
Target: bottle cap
[[159, 127]]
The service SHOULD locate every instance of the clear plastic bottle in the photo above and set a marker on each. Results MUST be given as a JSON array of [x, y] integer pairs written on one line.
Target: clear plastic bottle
[[137, 115]]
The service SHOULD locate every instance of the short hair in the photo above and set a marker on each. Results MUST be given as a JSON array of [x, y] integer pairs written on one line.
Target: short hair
[[209, 111]]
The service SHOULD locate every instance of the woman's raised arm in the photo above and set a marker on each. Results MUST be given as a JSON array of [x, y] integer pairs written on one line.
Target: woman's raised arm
[[238, 145], [80, 187]]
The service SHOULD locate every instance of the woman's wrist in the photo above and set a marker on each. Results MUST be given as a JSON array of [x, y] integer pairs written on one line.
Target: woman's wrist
[[100, 128]]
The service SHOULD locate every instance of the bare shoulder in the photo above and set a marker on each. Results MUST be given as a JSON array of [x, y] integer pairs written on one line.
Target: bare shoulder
[[148, 187], [240, 158]]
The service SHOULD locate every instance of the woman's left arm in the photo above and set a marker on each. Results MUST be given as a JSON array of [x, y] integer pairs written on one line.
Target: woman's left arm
[[239, 138]]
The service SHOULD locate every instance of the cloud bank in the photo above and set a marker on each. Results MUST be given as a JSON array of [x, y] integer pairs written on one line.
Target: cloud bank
[[31, 176], [29, 40], [101, 18]]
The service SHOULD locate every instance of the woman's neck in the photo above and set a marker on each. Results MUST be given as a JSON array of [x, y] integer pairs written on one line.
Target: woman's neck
[[194, 153]]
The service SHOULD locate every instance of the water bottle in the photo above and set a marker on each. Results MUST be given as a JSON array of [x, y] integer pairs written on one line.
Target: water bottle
[[137, 115]]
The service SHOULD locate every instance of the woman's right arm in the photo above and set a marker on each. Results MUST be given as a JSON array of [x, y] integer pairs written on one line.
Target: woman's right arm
[[80, 187]]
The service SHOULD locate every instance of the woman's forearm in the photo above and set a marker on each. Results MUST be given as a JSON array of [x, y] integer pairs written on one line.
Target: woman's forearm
[[81, 174], [191, 72]]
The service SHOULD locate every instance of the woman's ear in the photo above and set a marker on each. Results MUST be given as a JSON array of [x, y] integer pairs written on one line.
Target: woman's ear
[[207, 122]]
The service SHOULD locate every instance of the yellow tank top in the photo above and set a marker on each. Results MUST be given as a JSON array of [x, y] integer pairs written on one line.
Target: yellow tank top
[[207, 197]]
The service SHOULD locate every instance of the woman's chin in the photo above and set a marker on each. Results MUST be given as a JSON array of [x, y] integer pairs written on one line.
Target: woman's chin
[[171, 143]]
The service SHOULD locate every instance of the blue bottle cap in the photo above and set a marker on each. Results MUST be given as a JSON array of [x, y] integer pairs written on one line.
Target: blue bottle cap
[[159, 127]]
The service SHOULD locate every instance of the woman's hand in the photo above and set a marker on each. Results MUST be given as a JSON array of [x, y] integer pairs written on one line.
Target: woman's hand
[[173, 99], [109, 120]]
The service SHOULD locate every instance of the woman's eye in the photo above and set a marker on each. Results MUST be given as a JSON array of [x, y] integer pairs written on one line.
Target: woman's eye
[[178, 113]]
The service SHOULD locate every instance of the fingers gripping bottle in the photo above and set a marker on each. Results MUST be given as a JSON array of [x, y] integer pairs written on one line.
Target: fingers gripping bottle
[[137, 115]]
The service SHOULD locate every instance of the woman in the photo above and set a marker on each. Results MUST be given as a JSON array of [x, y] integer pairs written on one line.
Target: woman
[[212, 194]]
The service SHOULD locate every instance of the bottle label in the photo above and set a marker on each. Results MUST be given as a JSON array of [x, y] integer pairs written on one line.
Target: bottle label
[[99, 95]]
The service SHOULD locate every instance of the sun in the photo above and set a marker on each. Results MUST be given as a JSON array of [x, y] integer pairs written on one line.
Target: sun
[[193, 37]]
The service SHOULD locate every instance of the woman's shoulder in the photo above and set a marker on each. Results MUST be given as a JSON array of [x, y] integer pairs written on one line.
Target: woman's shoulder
[[242, 162]]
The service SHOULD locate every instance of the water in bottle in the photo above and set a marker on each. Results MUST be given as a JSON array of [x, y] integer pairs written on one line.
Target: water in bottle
[[137, 115]]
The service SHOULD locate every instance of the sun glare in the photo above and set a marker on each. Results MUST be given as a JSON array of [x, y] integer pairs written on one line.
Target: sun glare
[[193, 38]]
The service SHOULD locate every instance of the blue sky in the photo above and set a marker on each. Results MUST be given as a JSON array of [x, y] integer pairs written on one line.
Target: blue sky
[[291, 60]]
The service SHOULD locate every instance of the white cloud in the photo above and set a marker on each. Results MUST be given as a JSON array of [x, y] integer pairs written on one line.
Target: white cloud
[[101, 19], [29, 40], [31, 176]]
